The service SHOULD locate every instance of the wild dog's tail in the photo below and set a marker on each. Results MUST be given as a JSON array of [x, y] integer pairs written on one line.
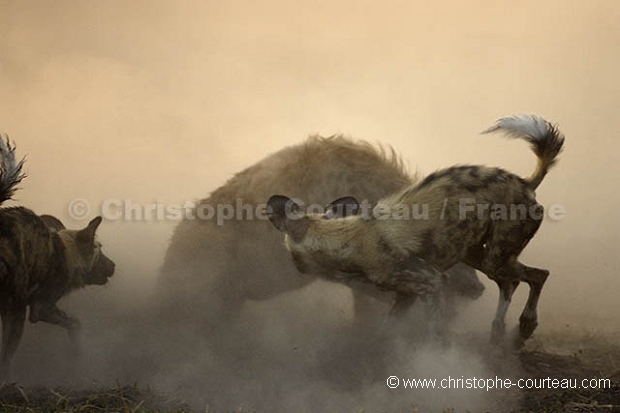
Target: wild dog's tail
[[545, 140], [10, 170]]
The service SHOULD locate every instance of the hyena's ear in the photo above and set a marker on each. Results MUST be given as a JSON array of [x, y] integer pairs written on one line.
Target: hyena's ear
[[87, 235], [53, 223], [279, 209], [342, 207], [285, 215]]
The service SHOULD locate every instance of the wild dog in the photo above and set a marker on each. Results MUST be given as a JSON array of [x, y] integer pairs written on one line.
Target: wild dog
[[211, 270], [53, 223], [410, 256], [40, 262]]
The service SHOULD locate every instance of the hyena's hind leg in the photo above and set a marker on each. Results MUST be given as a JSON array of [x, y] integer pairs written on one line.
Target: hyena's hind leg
[[13, 317]]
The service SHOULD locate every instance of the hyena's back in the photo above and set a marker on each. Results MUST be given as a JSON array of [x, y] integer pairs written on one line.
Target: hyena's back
[[246, 257]]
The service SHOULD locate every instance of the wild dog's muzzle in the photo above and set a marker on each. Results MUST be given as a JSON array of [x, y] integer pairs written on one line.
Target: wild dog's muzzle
[[103, 268]]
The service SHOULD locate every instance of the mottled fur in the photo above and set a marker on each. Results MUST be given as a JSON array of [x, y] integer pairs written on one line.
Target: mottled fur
[[210, 270], [39, 264], [410, 255]]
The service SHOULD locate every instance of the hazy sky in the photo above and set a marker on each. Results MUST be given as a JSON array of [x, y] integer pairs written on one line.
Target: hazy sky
[[151, 100]]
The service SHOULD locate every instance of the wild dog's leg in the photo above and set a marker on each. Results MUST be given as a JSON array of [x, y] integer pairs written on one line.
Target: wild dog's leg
[[13, 318], [507, 286], [506, 290], [54, 315], [528, 321], [507, 277], [497, 258]]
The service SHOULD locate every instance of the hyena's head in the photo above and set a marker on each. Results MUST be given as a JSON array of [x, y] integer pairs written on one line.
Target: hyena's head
[[319, 243], [85, 257]]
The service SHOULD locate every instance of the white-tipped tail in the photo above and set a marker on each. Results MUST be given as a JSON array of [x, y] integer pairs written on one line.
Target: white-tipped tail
[[10, 170], [532, 126], [544, 138]]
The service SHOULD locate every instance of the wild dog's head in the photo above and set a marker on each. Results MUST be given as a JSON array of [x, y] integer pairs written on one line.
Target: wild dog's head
[[331, 244], [320, 243], [88, 264]]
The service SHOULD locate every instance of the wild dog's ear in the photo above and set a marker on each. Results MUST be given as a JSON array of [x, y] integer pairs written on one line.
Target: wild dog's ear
[[53, 223], [87, 235], [285, 215], [342, 208]]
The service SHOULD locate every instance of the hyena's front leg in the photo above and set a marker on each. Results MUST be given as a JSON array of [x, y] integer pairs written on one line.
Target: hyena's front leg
[[13, 318], [428, 282], [402, 304], [54, 315]]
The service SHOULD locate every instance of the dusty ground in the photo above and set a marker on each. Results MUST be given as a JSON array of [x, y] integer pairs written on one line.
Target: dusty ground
[[601, 361]]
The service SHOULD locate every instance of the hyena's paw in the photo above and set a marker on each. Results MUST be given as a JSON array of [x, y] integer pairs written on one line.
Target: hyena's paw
[[5, 373], [75, 348], [74, 324]]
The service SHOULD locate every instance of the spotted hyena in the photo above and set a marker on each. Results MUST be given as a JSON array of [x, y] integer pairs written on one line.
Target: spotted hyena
[[210, 270]]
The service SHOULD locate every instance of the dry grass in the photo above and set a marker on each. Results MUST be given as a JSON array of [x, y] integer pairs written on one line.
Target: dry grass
[[589, 363], [123, 399], [585, 364]]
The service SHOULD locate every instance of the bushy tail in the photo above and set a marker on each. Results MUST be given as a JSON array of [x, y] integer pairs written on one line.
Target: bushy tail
[[545, 140], [10, 170]]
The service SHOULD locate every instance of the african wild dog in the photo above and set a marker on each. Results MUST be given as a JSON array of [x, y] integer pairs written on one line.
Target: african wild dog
[[211, 270], [53, 223], [40, 261], [409, 256]]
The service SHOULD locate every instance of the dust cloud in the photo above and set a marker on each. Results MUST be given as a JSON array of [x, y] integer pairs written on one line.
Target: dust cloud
[[156, 102]]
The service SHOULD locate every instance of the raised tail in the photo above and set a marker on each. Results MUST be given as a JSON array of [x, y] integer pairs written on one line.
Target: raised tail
[[10, 170], [544, 138]]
